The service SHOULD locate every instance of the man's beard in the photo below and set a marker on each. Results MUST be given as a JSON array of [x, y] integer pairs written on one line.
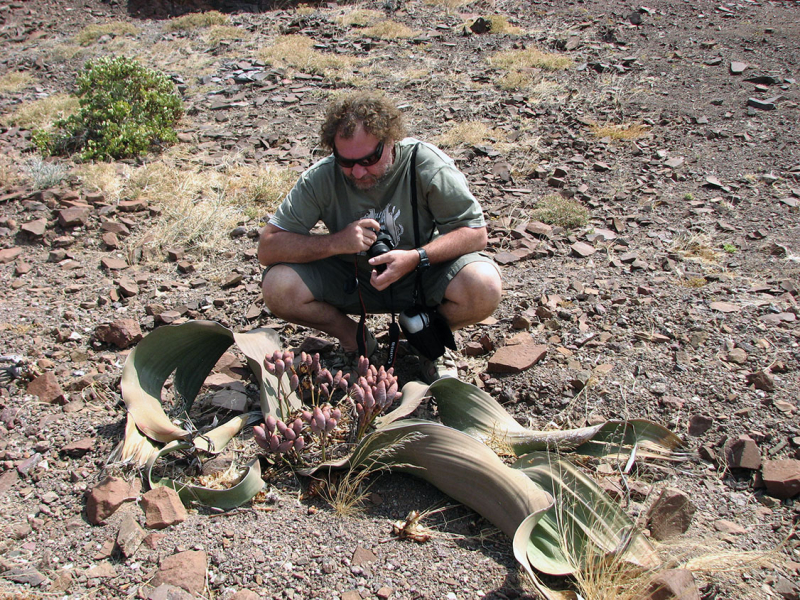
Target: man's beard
[[370, 181]]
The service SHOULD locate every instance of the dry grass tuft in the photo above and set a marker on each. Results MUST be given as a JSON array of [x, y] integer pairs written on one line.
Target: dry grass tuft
[[555, 209], [91, 33], [297, 51], [15, 81], [10, 175], [448, 4], [500, 25], [216, 34], [471, 133], [361, 17], [624, 131], [389, 30], [197, 21], [530, 58], [43, 112], [697, 248]]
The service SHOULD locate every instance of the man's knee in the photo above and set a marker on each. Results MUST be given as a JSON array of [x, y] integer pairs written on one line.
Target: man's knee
[[478, 284], [283, 289]]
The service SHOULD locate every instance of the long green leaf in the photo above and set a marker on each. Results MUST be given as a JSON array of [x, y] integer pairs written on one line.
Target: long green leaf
[[190, 350], [459, 465], [469, 409], [413, 394], [584, 524], [232, 497]]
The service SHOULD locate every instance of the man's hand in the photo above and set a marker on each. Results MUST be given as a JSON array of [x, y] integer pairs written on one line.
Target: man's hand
[[357, 237], [398, 263]]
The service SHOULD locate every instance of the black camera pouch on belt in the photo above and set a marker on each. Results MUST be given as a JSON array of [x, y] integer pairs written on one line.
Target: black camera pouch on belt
[[423, 326]]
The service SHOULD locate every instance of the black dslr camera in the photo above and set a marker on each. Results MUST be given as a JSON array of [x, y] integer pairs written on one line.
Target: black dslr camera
[[427, 331], [382, 244]]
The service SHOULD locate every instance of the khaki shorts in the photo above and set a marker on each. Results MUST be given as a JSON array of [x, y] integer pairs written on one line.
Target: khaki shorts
[[331, 280]]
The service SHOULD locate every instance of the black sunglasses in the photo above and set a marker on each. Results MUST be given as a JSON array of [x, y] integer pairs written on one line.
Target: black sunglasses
[[367, 161]]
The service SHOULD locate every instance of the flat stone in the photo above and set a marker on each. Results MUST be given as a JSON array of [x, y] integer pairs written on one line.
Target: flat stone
[[743, 453], [232, 280], [110, 240], [515, 359], [582, 249], [670, 515], [113, 264], [362, 556], [35, 228], [761, 104], [79, 448], [132, 205], [672, 584], [761, 380], [128, 287], [73, 217], [107, 496], [724, 526], [782, 477], [699, 424], [725, 307], [162, 508], [186, 570], [9, 254], [232, 400], [737, 67], [121, 333], [130, 535], [25, 576], [102, 570], [47, 388]]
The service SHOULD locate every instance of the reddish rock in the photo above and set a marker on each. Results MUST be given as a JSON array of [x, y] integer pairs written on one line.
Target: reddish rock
[[583, 249], [132, 205], [113, 264], [699, 424], [121, 333], [186, 570], [362, 556], [79, 448], [9, 254], [670, 515], [107, 496], [162, 508], [672, 584], [761, 380], [130, 536], [115, 228], [128, 287], [110, 240], [742, 453], [782, 477], [517, 358], [46, 386], [73, 217], [35, 228]]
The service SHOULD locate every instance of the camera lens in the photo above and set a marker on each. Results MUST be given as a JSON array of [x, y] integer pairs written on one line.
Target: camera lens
[[383, 243]]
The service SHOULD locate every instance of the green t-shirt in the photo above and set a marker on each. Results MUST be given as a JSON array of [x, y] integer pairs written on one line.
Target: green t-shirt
[[324, 194]]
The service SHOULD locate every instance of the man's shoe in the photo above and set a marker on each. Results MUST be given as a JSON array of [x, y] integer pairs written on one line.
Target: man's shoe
[[444, 366], [349, 360]]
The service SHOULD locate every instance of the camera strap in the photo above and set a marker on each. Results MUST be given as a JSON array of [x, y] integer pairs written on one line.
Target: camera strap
[[419, 293]]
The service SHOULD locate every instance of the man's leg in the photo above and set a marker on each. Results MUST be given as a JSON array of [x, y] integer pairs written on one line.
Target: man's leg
[[288, 297], [472, 295]]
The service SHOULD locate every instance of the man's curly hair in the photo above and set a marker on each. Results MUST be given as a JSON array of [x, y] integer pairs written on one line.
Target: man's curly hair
[[375, 112]]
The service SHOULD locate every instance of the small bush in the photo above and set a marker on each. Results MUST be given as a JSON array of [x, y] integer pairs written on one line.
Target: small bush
[[197, 21], [126, 110], [44, 175], [554, 209]]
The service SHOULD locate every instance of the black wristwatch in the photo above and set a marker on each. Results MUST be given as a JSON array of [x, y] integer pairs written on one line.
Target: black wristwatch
[[424, 263]]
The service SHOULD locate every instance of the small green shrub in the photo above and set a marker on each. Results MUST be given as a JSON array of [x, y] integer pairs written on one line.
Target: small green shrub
[[126, 110], [555, 209], [729, 248]]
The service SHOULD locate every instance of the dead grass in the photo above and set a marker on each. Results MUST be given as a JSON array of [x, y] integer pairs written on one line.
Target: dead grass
[[43, 112], [184, 55], [91, 33], [697, 248], [499, 25], [529, 58], [67, 52], [10, 175], [217, 34], [197, 21], [623, 131], [470, 133], [448, 4], [360, 17], [555, 209], [15, 81], [389, 30], [297, 52]]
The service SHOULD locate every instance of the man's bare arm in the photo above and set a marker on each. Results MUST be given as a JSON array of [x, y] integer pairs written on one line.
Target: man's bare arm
[[276, 245]]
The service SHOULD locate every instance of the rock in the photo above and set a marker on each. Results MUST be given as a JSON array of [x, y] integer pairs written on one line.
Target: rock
[[515, 359], [111, 240], [130, 536], [7, 481], [162, 508], [230, 399], [782, 477], [737, 356], [787, 589], [128, 287], [245, 595], [761, 380], [121, 333], [582, 249], [742, 453], [725, 307], [79, 448], [724, 526], [35, 228], [47, 388], [132, 205], [674, 163], [761, 104], [184, 266], [312, 345], [25, 576], [107, 496], [102, 570], [670, 515], [73, 217], [699, 424], [737, 67], [677, 584], [186, 570], [113, 264], [9, 254], [169, 592], [232, 280], [362, 556]]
